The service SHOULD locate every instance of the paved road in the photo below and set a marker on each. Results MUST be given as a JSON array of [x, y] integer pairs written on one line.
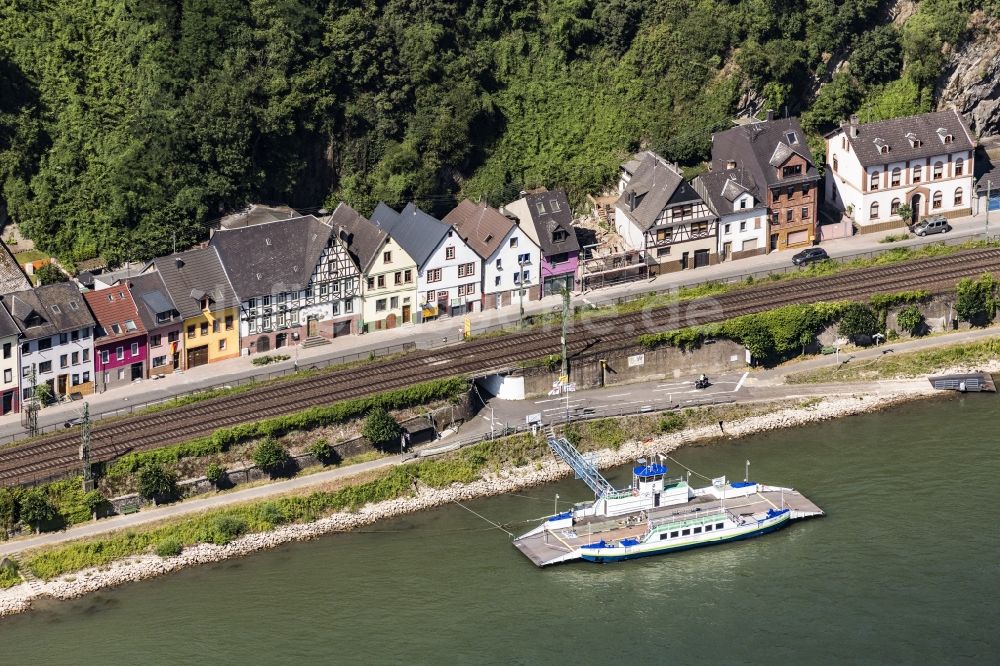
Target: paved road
[[447, 331], [755, 385]]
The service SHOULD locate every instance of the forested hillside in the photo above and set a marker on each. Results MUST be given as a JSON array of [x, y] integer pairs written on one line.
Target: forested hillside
[[124, 122]]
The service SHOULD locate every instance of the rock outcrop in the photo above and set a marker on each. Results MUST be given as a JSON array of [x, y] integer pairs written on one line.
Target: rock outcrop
[[971, 79]]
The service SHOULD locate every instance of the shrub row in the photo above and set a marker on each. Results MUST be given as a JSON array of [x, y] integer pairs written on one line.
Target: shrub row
[[314, 417], [51, 506]]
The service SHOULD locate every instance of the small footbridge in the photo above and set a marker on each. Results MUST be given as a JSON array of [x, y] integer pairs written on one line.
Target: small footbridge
[[585, 469]]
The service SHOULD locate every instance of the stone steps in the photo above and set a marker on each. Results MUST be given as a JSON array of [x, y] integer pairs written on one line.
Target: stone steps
[[315, 341]]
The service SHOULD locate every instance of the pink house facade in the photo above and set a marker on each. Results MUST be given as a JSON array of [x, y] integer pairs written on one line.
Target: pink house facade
[[121, 348]]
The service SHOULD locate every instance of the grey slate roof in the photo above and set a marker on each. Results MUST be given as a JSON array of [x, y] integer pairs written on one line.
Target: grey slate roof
[[271, 257], [557, 215], [12, 277], [482, 227], [720, 189], [190, 275], [257, 214], [653, 184], [151, 298], [416, 232], [363, 239], [894, 133], [7, 325], [48, 310], [758, 145]]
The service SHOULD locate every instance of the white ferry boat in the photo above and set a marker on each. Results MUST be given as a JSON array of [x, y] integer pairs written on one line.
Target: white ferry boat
[[657, 514]]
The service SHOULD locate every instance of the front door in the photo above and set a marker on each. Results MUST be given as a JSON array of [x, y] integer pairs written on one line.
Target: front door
[[136, 371], [406, 314], [312, 327], [263, 343], [774, 242], [280, 340], [684, 260], [726, 249], [914, 209], [61, 385], [197, 356], [390, 321], [700, 258]]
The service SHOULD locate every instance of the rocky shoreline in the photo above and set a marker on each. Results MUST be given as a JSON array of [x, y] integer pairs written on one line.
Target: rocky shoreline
[[69, 586]]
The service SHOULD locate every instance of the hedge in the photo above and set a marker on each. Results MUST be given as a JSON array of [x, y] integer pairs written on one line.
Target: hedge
[[314, 417]]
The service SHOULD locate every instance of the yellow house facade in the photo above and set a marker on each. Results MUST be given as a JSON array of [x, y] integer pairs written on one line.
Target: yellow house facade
[[388, 273], [201, 292]]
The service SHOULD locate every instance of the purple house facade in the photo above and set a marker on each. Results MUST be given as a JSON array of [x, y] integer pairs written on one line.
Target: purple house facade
[[546, 217], [121, 349]]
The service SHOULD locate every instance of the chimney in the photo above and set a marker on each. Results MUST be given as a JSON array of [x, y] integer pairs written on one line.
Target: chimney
[[631, 200], [854, 127], [770, 114], [178, 262]]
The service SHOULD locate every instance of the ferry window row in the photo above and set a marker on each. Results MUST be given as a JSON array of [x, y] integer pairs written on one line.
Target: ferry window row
[[687, 532]]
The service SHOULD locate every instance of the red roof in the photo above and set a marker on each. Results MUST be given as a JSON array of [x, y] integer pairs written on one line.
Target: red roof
[[115, 313]]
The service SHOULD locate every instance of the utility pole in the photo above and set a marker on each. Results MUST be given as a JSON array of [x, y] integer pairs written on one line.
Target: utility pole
[[88, 472], [989, 185], [520, 292], [32, 405], [565, 331]]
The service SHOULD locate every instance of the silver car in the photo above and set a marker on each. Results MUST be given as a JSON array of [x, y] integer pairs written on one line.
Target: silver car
[[935, 224]]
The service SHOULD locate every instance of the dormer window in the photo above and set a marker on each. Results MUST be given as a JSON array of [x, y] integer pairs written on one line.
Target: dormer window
[[792, 138], [730, 164], [793, 170], [559, 235], [130, 325], [55, 308], [116, 329], [540, 206], [948, 138], [914, 141], [204, 303], [73, 305], [554, 205], [945, 136], [882, 146]]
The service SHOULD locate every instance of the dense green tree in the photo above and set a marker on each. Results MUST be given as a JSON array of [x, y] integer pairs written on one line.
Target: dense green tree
[[877, 56], [858, 319], [36, 508], [270, 456], [155, 482], [50, 274], [380, 428]]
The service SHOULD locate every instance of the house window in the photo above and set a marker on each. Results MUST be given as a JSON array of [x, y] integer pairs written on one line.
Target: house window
[[215, 326], [135, 349], [86, 377], [6, 350], [513, 241], [958, 197], [896, 176], [805, 213], [496, 280], [793, 170], [121, 374], [105, 357], [387, 257], [937, 200], [407, 276], [173, 336], [467, 270], [725, 229], [348, 306], [699, 228], [75, 358], [191, 331], [380, 305], [380, 281], [959, 166], [499, 265], [434, 275], [397, 278], [25, 371], [155, 340], [918, 173], [449, 252], [743, 203], [74, 336], [204, 328], [64, 361], [874, 211], [894, 207], [835, 163], [540, 207], [229, 322], [120, 353], [222, 344], [116, 329], [130, 325], [873, 180], [663, 235], [86, 357], [8, 376], [45, 366], [788, 215], [44, 343], [526, 276], [371, 283], [159, 361], [394, 302], [775, 219], [204, 303], [663, 252], [523, 259], [937, 170]]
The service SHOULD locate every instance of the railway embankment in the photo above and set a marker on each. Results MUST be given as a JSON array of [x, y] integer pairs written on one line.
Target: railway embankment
[[74, 569]]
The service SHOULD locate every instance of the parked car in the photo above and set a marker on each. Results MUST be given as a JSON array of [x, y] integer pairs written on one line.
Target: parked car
[[935, 224], [809, 255]]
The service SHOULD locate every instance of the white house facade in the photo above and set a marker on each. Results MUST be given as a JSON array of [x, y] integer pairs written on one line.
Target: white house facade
[[449, 272], [511, 259], [925, 162], [742, 218]]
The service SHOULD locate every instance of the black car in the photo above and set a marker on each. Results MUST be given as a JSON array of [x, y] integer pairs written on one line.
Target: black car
[[810, 255]]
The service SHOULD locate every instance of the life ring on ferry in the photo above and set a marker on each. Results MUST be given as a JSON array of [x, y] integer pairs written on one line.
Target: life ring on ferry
[[635, 492]]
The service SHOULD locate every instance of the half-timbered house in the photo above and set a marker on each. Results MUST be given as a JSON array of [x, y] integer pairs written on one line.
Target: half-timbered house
[[659, 214], [294, 279]]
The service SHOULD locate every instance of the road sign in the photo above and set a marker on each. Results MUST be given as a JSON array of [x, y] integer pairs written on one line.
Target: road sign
[[569, 388], [563, 379]]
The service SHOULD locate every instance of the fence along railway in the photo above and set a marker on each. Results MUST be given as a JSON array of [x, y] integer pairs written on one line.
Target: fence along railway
[[54, 456]]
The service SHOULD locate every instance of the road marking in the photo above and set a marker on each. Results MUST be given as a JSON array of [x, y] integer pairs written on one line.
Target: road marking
[[739, 384], [617, 395]]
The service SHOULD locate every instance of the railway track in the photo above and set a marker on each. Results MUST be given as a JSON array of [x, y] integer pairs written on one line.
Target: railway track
[[58, 454]]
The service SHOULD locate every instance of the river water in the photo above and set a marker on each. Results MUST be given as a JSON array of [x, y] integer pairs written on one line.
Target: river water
[[903, 569]]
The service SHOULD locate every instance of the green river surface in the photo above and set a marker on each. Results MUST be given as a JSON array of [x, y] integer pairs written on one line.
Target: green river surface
[[904, 569]]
